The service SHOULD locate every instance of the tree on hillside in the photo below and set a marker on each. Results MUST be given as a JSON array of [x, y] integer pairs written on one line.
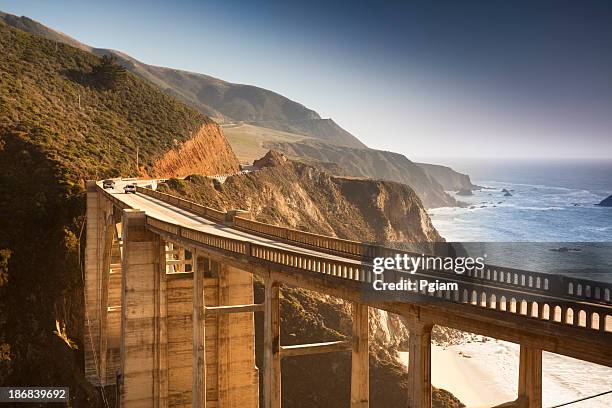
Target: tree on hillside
[[109, 74]]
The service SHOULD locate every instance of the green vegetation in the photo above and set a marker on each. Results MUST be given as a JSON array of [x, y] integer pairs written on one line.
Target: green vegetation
[[109, 74], [65, 116], [47, 98]]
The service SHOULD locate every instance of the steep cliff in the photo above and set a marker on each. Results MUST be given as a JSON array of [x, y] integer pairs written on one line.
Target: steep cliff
[[206, 152], [295, 194], [450, 179], [370, 163]]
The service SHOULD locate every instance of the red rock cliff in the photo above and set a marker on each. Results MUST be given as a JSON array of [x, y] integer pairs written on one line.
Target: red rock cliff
[[207, 152]]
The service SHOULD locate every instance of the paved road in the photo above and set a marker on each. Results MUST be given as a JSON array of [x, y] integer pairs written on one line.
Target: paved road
[[167, 212]]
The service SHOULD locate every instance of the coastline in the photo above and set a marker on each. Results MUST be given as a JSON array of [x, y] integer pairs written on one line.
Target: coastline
[[485, 373]]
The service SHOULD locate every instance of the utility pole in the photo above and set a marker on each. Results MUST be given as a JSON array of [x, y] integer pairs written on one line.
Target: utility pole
[[137, 160]]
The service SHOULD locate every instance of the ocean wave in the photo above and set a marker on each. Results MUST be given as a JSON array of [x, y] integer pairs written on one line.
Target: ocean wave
[[540, 208]]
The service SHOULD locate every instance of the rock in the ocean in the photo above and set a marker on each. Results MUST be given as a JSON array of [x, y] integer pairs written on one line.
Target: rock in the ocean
[[606, 202], [507, 194]]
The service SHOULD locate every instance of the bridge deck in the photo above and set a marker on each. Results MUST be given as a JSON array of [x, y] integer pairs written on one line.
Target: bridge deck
[[477, 308]]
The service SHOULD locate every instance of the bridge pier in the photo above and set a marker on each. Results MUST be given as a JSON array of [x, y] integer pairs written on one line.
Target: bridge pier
[[272, 357], [198, 390], [530, 377], [139, 296], [419, 365], [360, 362]]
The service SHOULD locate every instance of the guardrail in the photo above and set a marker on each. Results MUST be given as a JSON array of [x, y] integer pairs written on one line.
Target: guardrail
[[535, 282], [203, 211], [337, 246], [554, 310]]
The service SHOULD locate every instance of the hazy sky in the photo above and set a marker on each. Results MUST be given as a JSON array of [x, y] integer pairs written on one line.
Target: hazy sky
[[430, 79]]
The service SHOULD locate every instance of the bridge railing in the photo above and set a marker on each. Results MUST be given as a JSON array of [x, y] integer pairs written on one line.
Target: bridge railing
[[536, 282], [585, 315], [338, 246], [198, 209]]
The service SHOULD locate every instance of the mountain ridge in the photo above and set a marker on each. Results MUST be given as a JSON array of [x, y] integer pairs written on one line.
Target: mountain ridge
[[368, 163], [221, 100]]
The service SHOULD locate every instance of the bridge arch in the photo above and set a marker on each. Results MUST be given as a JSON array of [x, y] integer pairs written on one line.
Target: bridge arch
[[595, 321], [493, 301], [534, 309], [503, 304], [569, 316], [570, 288], [545, 312], [607, 323], [582, 318], [523, 307], [538, 282], [513, 305], [557, 314]]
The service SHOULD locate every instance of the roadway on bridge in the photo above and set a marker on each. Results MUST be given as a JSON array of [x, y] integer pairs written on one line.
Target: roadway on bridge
[[167, 212]]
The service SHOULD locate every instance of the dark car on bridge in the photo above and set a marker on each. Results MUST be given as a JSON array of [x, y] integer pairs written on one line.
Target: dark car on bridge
[[130, 188], [108, 184]]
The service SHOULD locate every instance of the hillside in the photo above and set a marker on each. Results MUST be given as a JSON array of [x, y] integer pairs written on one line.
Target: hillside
[[297, 195], [224, 101], [60, 125], [369, 163], [248, 141]]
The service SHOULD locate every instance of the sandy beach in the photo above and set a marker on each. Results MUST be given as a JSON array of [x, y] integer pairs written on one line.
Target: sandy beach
[[485, 374]]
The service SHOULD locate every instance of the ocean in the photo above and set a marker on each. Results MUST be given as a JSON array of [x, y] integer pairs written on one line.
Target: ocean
[[548, 223]]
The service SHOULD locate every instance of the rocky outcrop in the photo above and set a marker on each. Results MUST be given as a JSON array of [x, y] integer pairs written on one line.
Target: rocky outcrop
[[607, 202], [370, 163], [297, 195], [207, 152], [450, 179], [465, 192]]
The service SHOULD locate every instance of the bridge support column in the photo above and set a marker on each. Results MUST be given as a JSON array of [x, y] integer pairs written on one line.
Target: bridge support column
[[160, 385], [93, 280], [272, 361], [199, 333], [530, 377], [419, 365], [360, 377], [138, 323]]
